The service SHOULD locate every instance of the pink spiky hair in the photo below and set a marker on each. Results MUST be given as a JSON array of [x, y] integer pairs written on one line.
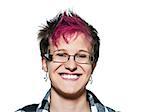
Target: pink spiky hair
[[69, 24]]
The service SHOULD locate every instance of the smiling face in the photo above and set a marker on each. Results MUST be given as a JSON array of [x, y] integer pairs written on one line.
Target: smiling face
[[69, 78]]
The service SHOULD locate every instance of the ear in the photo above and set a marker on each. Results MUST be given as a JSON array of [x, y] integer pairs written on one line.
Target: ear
[[44, 65]]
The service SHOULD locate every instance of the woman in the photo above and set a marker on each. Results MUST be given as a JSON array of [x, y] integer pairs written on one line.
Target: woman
[[69, 49]]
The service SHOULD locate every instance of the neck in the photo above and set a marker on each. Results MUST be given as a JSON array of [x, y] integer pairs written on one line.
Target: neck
[[61, 104]]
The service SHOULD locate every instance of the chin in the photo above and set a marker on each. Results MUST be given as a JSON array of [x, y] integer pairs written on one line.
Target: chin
[[70, 94]]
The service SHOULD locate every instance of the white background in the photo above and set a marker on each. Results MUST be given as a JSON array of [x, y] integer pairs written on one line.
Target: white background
[[121, 78]]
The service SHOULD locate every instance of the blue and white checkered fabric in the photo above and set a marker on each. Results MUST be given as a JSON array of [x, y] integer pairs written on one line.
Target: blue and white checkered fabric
[[96, 105]]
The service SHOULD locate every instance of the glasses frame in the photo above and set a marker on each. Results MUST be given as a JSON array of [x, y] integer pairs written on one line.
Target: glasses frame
[[49, 57]]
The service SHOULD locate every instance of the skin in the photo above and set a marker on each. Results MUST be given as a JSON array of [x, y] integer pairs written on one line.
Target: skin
[[69, 95]]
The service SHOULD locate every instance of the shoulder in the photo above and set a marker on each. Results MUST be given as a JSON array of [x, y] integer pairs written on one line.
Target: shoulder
[[94, 101], [28, 108]]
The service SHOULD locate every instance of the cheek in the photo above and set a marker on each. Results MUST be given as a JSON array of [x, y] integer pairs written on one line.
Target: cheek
[[88, 70], [52, 68]]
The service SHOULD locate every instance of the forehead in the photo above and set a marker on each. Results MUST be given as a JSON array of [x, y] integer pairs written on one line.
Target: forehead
[[73, 44]]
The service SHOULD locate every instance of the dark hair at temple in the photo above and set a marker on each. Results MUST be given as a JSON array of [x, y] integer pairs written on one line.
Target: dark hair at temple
[[67, 23]]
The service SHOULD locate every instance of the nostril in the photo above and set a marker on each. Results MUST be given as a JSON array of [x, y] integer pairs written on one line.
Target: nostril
[[71, 67]]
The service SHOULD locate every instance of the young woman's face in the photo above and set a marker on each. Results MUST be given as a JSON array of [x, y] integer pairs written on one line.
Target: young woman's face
[[70, 77]]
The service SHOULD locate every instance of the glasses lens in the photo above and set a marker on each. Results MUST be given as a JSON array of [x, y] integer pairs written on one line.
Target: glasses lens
[[60, 57], [82, 57]]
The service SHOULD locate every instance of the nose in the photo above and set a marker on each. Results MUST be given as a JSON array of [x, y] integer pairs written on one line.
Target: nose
[[71, 65]]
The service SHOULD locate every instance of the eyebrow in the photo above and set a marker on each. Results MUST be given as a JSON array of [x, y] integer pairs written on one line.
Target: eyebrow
[[66, 50]]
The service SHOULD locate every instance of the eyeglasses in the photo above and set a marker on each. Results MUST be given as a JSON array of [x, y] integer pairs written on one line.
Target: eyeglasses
[[82, 57]]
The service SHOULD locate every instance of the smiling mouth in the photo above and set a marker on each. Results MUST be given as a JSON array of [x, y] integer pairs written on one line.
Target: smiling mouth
[[67, 76]]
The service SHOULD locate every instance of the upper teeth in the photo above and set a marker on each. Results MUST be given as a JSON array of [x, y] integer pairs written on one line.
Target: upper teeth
[[66, 76]]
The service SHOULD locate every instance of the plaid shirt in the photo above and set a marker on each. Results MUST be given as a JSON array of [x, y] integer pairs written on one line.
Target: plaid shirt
[[95, 104]]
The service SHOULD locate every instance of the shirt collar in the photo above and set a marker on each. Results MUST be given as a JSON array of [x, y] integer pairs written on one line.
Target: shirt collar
[[95, 104]]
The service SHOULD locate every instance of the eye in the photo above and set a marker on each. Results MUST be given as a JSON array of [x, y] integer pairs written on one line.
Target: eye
[[61, 54], [82, 56]]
